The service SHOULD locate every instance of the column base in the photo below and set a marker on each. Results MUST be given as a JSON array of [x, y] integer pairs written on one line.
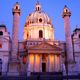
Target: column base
[[14, 68]]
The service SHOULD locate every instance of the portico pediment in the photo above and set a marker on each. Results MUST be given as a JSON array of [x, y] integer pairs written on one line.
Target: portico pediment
[[45, 47]]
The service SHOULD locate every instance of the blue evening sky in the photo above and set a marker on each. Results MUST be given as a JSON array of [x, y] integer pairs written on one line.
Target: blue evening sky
[[53, 8]]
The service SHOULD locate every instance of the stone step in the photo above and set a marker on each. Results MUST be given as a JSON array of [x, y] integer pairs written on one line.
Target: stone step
[[13, 78], [46, 73]]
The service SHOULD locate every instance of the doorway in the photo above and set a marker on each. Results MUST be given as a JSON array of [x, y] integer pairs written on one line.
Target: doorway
[[43, 67]]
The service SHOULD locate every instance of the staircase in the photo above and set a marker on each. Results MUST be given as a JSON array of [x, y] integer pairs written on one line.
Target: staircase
[[36, 76], [46, 76]]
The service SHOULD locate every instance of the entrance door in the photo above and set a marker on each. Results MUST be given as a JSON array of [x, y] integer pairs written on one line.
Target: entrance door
[[43, 67]]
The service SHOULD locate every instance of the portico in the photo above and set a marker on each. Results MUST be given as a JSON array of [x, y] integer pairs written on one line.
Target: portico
[[44, 58]]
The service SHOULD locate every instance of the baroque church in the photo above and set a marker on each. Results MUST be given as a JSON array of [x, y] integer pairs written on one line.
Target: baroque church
[[39, 52]]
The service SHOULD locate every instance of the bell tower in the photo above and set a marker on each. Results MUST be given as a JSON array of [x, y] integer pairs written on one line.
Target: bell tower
[[66, 16], [14, 62]]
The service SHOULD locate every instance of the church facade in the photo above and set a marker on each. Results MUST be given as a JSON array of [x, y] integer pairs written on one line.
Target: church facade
[[39, 52]]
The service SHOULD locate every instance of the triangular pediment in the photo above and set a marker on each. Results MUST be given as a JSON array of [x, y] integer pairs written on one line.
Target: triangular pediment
[[44, 46]]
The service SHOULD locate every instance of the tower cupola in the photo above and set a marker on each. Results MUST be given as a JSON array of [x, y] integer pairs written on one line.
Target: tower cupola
[[16, 8], [66, 12]]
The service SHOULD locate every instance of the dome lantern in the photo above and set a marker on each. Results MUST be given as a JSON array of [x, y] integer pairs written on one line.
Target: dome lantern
[[38, 25], [38, 6]]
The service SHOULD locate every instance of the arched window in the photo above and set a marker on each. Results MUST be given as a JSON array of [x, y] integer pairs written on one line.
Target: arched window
[[27, 35], [1, 33], [16, 7], [40, 20], [40, 34], [38, 8], [66, 10]]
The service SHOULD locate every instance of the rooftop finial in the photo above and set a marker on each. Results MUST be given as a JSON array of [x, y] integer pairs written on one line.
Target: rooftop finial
[[17, 2], [65, 6]]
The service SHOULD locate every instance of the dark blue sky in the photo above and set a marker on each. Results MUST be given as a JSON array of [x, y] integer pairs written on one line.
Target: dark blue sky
[[53, 8]]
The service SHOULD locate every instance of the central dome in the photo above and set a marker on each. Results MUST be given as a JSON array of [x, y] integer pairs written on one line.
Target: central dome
[[38, 16], [38, 26]]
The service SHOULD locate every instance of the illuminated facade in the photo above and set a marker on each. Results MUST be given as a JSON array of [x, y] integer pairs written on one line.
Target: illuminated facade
[[39, 36], [38, 26], [38, 52]]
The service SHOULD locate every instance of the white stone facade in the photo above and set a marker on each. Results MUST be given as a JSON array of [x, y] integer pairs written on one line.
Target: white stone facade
[[4, 48], [39, 52]]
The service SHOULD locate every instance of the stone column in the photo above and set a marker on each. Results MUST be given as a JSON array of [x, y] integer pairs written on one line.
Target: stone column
[[14, 63], [54, 63], [60, 62], [16, 15], [28, 66], [66, 16], [34, 62], [49, 62], [40, 62], [28, 62]]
